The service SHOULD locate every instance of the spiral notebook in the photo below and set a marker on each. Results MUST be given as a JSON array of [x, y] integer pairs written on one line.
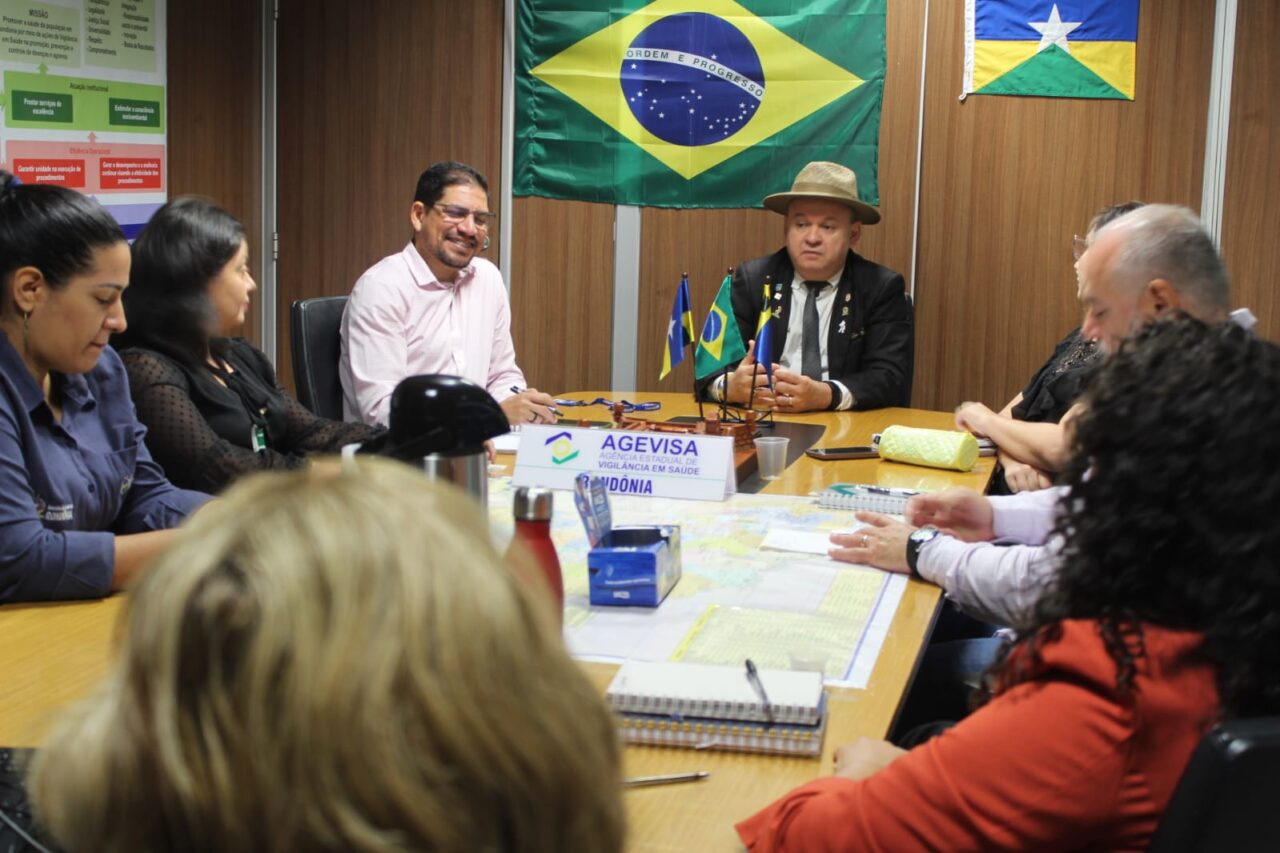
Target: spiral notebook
[[859, 496], [715, 693], [730, 735]]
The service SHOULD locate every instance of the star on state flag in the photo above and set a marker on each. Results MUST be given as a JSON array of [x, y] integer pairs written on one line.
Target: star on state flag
[[685, 103], [1051, 48], [680, 333]]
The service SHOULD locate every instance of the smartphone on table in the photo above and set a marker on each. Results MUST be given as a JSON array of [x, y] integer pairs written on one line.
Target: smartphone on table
[[825, 454]]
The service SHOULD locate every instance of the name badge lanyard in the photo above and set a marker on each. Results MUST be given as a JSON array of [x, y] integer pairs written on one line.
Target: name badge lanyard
[[254, 408]]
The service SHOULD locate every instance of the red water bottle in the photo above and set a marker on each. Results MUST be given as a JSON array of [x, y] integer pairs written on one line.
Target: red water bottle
[[533, 529]]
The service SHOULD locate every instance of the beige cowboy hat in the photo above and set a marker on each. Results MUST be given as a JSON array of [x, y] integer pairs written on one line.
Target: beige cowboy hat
[[825, 180]]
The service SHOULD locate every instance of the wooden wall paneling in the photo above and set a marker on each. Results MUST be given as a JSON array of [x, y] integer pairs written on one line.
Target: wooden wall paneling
[[1008, 181], [1251, 207], [889, 241], [370, 94], [215, 113], [705, 242], [562, 293]]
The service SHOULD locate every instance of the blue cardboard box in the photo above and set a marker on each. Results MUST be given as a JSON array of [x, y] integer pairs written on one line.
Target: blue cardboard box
[[634, 566]]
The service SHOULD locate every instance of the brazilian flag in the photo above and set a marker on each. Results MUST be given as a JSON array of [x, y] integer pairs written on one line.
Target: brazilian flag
[[721, 343], [1051, 48], [692, 103]]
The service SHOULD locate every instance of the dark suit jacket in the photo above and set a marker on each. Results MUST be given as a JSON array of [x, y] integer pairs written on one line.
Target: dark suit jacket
[[871, 349]]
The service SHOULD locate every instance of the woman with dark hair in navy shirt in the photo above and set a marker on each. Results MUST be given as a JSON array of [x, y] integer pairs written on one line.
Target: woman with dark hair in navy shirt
[[82, 506]]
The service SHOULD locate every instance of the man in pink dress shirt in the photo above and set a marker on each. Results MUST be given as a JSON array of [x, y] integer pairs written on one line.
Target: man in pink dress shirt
[[435, 307]]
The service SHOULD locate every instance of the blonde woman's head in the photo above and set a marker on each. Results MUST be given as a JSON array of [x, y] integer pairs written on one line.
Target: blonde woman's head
[[336, 662]]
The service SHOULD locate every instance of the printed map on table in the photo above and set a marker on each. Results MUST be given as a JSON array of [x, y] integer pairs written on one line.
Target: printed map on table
[[783, 610]]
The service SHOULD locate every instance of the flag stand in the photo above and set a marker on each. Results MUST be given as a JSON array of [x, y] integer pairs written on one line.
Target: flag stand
[[721, 361], [762, 335]]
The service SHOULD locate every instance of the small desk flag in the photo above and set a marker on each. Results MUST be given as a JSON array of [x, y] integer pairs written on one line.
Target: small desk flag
[[721, 343], [764, 334], [1051, 48], [680, 332]]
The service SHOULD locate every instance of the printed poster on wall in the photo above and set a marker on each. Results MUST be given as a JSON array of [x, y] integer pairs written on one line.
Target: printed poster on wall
[[83, 103]]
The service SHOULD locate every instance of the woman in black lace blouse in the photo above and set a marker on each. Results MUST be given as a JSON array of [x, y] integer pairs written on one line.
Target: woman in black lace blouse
[[211, 403], [1030, 455]]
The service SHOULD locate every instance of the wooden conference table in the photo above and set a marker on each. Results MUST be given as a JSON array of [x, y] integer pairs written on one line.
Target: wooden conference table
[[52, 654]]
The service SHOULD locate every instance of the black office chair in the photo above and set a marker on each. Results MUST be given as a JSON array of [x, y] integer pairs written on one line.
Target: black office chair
[[315, 339], [1227, 797]]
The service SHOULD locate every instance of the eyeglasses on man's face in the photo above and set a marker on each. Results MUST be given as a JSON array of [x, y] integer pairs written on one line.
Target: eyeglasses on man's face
[[455, 213], [1079, 245]]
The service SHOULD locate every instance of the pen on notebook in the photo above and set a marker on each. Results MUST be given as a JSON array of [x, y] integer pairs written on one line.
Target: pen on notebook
[[516, 389], [897, 493], [664, 779], [753, 676]]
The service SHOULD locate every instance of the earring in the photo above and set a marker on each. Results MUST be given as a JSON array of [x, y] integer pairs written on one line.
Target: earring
[[26, 317], [485, 247]]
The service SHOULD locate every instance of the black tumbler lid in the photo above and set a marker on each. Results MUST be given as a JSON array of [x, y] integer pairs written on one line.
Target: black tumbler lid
[[441, 414]]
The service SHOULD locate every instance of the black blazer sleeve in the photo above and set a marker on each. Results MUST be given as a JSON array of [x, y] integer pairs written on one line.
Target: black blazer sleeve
[[747, 294], [874, 354]]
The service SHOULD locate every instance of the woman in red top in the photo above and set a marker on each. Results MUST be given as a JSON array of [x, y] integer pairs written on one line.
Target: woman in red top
[[1162, 622]]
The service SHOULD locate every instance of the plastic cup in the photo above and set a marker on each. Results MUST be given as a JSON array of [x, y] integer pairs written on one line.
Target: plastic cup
[[808, 661], [771, 454]]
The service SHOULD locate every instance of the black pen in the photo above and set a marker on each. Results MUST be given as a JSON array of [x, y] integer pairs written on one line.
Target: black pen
[[897, 493], [753, 676], [515, 389], [664, 779]]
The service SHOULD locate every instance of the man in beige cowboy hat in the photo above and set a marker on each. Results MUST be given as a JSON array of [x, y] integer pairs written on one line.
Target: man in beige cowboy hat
[[842, 329]]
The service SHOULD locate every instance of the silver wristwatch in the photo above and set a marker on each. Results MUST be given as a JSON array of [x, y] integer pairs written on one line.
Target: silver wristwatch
[[917, 540]]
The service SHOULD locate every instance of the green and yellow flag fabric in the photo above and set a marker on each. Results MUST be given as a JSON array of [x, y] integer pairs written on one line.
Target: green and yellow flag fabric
[[687, 103], [1051, 48], [721, 343]]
